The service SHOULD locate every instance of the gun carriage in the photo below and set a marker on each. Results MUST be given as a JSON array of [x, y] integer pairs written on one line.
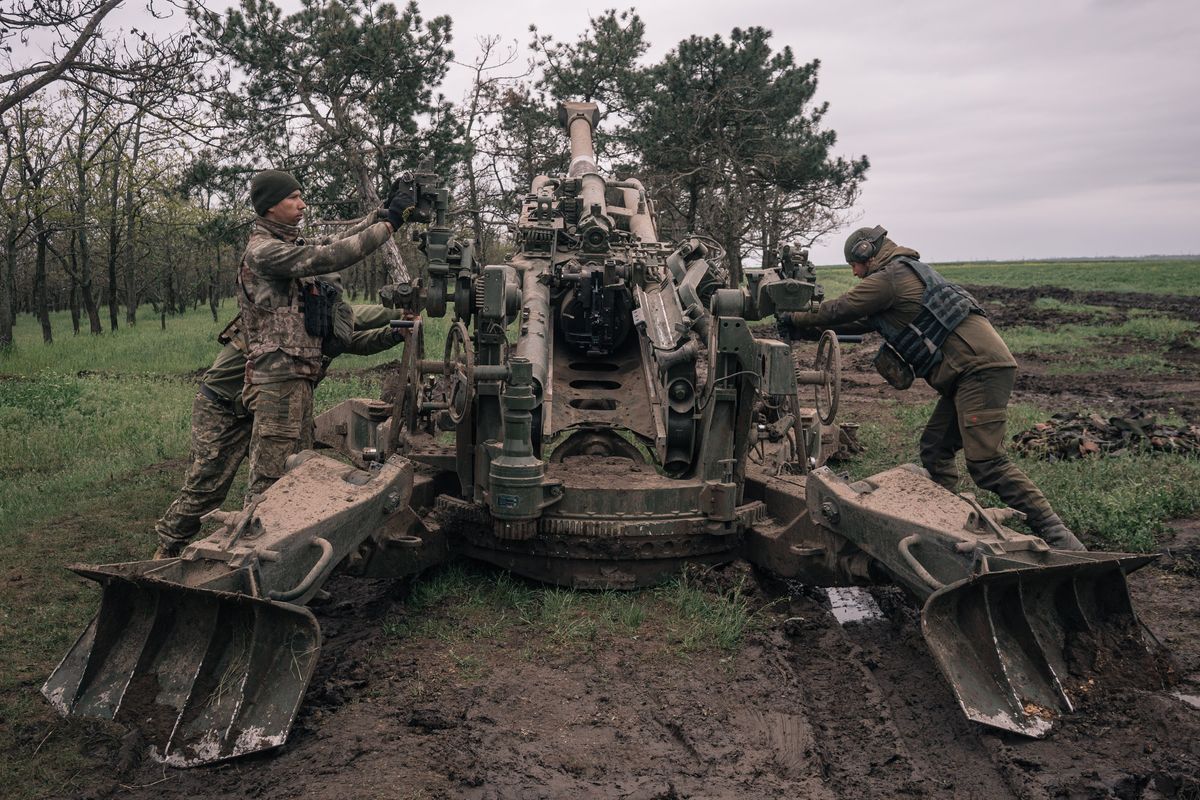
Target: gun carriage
[[601, 415]]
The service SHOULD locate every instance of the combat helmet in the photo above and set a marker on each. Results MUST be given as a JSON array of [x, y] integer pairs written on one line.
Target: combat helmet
[[863, 244]]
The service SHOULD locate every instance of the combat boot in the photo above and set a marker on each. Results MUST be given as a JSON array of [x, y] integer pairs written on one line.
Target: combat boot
[[1056, 534]]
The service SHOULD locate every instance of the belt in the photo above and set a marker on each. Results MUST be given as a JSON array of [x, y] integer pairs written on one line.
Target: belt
[[223, 402]]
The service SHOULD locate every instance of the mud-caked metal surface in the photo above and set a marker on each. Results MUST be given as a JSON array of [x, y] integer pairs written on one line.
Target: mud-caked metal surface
[[1019, 630], [209, 654]]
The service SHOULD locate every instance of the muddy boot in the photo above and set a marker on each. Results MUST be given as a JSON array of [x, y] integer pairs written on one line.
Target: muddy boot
[[1056, 534]]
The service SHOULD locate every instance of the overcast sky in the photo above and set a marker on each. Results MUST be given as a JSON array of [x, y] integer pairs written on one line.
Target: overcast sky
[[995, 130], [1021, 128]]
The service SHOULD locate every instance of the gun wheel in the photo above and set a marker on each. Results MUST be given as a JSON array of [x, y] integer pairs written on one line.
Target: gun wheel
[[459, 358], [407, 405], [829, 363]]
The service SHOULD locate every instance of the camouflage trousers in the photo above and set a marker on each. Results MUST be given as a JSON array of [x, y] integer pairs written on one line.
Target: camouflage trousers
[[220, 441], [282, 426], [972, 417]]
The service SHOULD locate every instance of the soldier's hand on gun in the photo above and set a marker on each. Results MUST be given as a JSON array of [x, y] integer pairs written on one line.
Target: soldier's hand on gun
[[797, 327], [398, 328], [405, 202], [400, 207]]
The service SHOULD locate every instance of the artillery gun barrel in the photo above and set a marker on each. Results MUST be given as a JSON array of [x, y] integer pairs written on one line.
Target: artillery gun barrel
[[580, 120], [641, 223]]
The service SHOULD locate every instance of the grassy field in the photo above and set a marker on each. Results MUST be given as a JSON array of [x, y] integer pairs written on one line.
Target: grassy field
[[1154, 276], [94, 437]]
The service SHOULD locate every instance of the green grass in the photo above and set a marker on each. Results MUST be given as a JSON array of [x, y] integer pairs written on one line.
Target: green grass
[[1051, 304], [1153, 276], [463, 603], [1154, 328], [189, 343], [64, 441], [1123, 502], [1138, 343]]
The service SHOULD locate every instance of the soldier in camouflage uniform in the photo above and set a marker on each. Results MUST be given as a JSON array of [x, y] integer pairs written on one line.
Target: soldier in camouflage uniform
[[283, 356], [973, 374], [221, 425]]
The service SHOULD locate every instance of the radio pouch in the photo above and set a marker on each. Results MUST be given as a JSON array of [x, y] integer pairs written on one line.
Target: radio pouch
[[892, 366]]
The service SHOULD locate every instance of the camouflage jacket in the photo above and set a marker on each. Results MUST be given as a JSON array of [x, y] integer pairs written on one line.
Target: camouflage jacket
[[893, 291], [272, 285], [227, 375]]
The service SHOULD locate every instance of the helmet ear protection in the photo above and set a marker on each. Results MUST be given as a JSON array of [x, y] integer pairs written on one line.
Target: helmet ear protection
[[866, 248]]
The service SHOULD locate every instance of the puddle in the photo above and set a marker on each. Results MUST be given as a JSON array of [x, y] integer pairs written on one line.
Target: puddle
[[852, 604], [1192, 700]]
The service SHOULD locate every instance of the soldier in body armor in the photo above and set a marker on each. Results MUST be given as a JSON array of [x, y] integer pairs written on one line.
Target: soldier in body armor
[[933, 329], [276, 285], [221, 425]]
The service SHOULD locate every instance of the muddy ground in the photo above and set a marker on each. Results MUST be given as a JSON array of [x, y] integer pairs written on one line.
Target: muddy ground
[[808, 708]]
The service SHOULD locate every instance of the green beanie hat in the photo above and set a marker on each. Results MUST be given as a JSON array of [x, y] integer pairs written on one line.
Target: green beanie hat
[[872, 236], [270, 186]]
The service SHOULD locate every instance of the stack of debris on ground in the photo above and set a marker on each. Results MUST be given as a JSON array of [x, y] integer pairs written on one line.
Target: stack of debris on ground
[[1070, 435]]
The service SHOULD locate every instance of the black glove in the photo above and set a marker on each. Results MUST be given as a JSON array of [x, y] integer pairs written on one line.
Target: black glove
[[400, 207], [398, 328], [788, 331]]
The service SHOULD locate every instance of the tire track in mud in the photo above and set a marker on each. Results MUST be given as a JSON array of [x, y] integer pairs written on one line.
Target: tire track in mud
[[886, 723], [806, 709]]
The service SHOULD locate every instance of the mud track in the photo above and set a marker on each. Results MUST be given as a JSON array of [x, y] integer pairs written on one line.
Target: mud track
[[807, 709]]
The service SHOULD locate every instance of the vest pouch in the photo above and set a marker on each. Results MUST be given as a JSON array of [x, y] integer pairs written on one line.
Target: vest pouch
[[339, 338], [892, 366], [320, 299]]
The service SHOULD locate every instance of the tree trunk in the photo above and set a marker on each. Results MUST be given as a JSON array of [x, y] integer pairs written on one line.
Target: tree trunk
[[473, 199], [73, 301], [131, 295], [84, 265], [693, 205], [114, 239], [213, 276], [7, 282], [397, 271], [733, 258], [170, 302], [40, 294]]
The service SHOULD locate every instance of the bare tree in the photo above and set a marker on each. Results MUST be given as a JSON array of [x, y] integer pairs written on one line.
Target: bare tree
[[494, 71], [76, 23], [158, 68]]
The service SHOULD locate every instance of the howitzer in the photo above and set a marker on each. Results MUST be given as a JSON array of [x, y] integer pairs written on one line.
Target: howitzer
[[635, 424]]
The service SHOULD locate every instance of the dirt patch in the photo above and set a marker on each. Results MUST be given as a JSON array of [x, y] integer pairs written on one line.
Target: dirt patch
[[808, 708], [1115, 391], [1173, 305]]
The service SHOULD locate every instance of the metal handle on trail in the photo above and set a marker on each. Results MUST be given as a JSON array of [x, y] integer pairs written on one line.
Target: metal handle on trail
[[905, 547], [316, 573], [984, 517]]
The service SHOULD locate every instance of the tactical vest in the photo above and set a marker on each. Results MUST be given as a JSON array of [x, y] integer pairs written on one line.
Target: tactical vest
[[944, 305], [278, 326]]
